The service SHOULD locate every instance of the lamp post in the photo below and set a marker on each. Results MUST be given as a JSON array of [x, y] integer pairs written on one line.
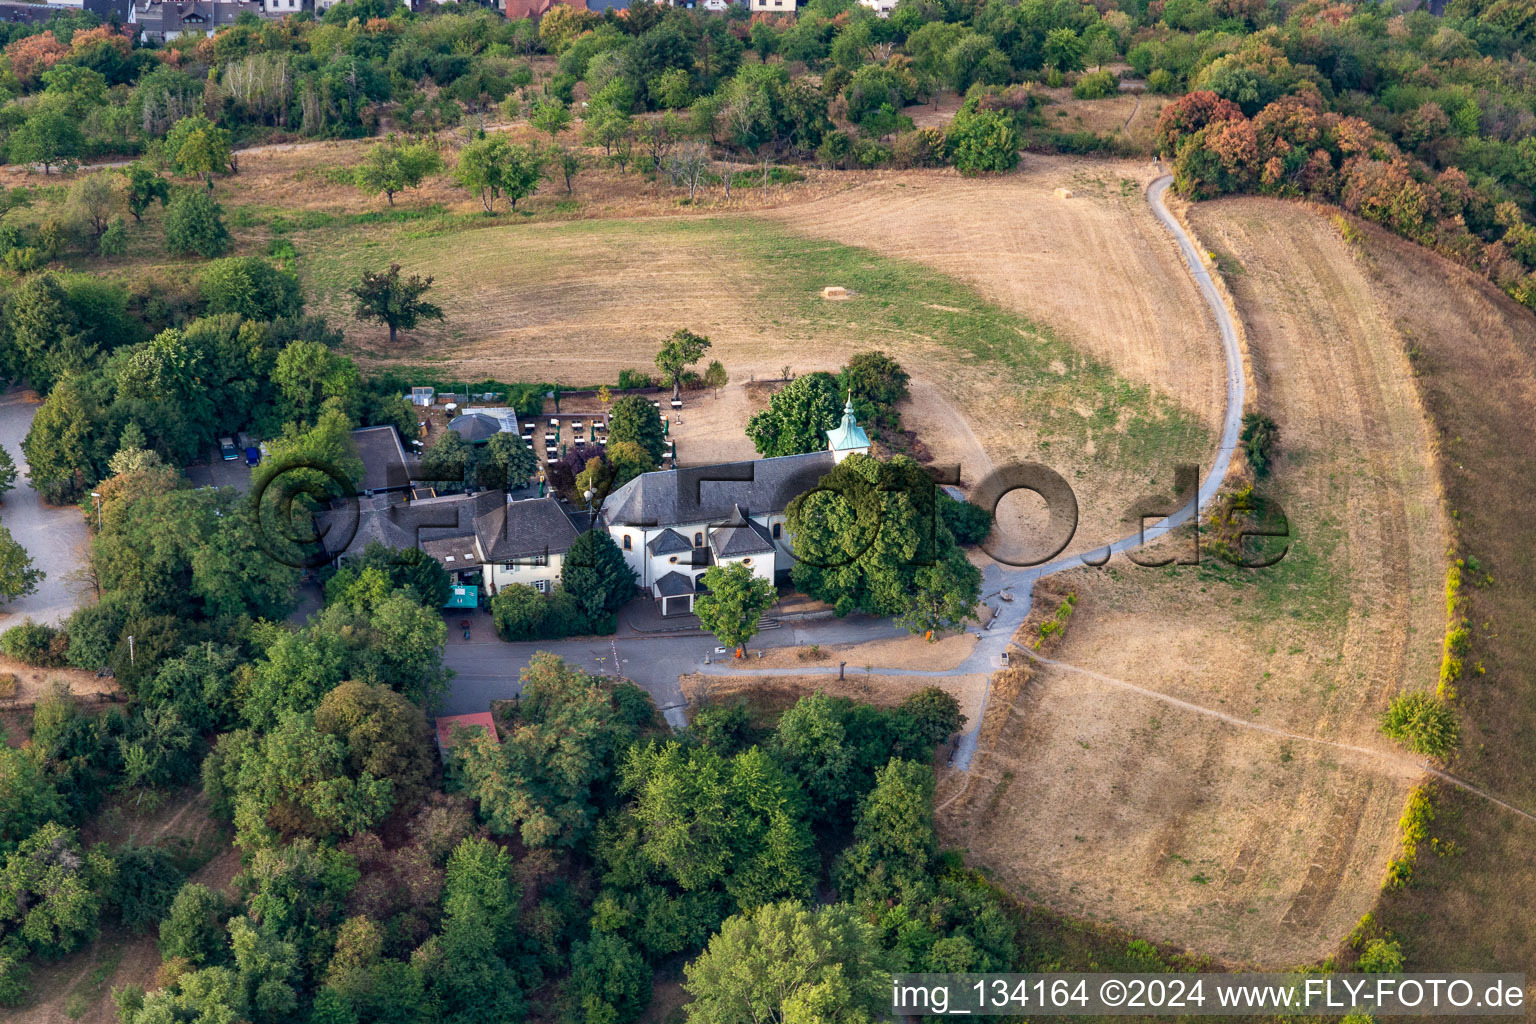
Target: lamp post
[[591, 512], [97, 496]]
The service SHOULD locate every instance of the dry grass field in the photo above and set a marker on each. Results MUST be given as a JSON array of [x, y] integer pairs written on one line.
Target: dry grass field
[[1474, 352], [994, 378], [1247, 845]]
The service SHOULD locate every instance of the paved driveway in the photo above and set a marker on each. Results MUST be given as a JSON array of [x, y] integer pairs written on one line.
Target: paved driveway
[[54, 537]]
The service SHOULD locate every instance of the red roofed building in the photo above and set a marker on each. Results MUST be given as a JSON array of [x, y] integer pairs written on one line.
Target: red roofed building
[[447, 723]]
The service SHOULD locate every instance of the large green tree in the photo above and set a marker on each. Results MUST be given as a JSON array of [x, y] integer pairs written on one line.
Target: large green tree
[[541, 782], [595, 573], [870, 539], [18, 576], [392, 167], [504, 463], [893, 839], [798, 417], [679, 352], [736, 826], [395, 301], [493, 168], [634, 420], [737, 598], [784, 963], [48, 137]]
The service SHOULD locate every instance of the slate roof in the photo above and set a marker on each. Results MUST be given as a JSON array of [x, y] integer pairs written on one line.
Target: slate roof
[[404, 524], [668, 542], [384, 462], [700, 494], [524, 529], [475, 426], [739, 536], [673, 584]]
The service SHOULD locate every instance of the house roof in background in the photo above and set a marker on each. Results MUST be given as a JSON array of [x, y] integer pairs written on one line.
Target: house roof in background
[[384, 463], [524, 529]]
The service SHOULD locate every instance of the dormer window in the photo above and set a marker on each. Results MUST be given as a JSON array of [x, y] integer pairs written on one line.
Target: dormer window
[[698, 540]]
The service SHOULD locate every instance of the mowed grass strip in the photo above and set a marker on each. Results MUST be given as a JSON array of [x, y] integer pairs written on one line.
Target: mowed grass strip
[[574, 302]]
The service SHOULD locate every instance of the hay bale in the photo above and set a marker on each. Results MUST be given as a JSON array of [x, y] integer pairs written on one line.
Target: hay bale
[[834, 292], [1063, 193]]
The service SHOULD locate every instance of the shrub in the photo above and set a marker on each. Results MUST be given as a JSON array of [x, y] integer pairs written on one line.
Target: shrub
[[35, 643], [194, 224], [982, 141], [1381, 956], [522, 613], [1259, 437], [1422, 723], [969, 523], [633, 379], [1162, 82], [1096, 86], [921, 148]]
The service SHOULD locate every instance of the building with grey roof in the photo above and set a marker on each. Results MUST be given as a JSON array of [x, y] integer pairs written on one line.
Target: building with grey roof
[[672, 525]]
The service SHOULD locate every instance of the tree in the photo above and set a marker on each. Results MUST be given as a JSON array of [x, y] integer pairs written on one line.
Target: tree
[[679, 352], [869, 537], [798, 417], [597, 575], [687, 165], [7, 472], [786, 964], [811, 741], [386, 736], [1259, 437], [715, 376], [736, 827], [942, 597], [448, 460], [1423, 723], [570, 163], [388, 298], [143, 186], [891, 858], [635, 420], [51, 891], [194, 223], [28, 796], [391, 167], [982, 141], [551, 117], [504, 463], [196, 147], [877, 383], [540, 782], [609, 981], [294, 780], [48, 137], [408, 568], [492, 167], [737, 598], [94, 201], [17, 575], [252, 287]]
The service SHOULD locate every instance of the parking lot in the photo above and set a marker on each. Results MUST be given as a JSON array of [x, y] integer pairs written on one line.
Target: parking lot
[[216, 472]]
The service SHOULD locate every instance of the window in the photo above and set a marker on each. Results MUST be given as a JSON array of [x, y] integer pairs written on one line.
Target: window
[[778, 530], [509, 566], [626, 542], [746, 561], [672, 560], [698, 540], [542, 586]]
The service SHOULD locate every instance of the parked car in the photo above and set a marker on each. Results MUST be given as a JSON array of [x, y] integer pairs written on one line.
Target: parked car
[[227, 449], [253, 456]]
